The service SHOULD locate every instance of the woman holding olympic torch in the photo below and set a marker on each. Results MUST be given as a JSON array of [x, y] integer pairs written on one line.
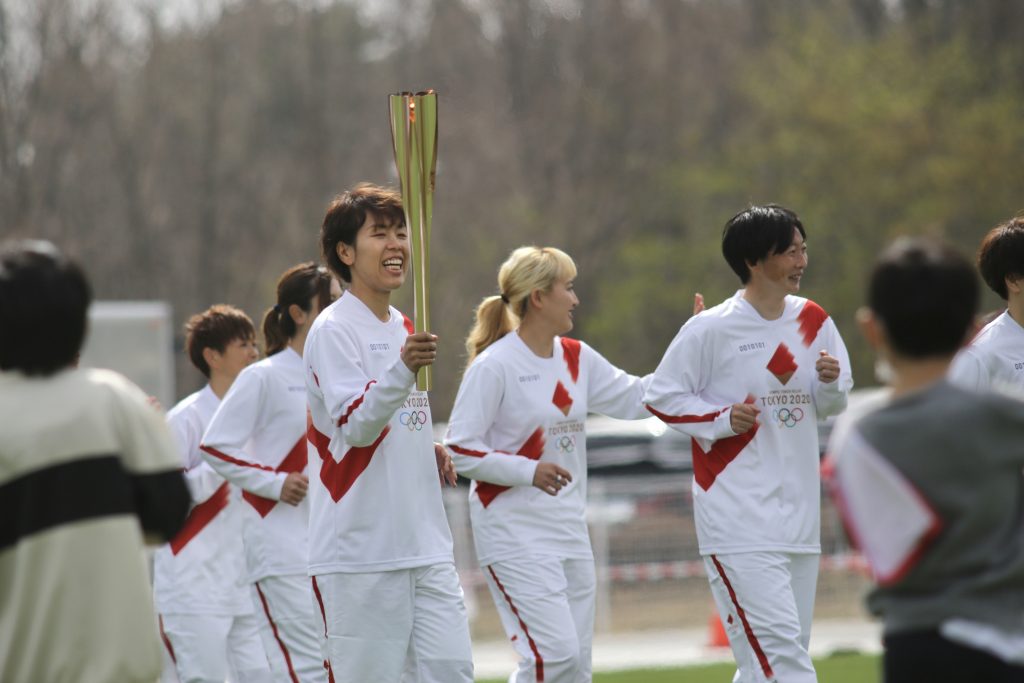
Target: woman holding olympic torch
[[517, 430]]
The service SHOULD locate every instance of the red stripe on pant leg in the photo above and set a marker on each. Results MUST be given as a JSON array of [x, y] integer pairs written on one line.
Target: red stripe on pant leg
[[320, 601], [167, 641], [277, 636], [529, 639], [751, 638], [323, 615]]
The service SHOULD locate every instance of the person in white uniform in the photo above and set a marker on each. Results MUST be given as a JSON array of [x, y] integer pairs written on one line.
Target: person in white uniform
[[257, 441], [748, 379], [995, 357], [518, 431], [380, 548], [206, 618]]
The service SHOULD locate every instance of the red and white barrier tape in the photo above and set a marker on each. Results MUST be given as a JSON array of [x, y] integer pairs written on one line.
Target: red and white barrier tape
[[649, 572]]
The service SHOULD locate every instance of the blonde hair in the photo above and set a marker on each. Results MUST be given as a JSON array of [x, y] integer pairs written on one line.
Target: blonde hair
[[527, 269]]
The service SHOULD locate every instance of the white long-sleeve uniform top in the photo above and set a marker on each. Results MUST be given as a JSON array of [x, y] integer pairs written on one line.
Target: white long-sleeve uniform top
[[255, 440], [994, 358], [374, 493], [201, 570], [515, 409], [757, 491]]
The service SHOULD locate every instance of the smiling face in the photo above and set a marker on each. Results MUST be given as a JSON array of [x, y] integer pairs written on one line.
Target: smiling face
[[557, 305], [236, 356], [782, 272], [379, 259]]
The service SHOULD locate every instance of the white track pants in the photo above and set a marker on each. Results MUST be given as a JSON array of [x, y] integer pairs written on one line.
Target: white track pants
[[766, 600], [290, 628], [546, 605], [207, 649], [407, 625]]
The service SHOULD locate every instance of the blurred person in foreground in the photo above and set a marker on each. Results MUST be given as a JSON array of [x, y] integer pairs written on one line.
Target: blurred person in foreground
[[518, 431], [995, 357], [928, 481], [206, 615], [88, 474], [380, 549], [748, 380]]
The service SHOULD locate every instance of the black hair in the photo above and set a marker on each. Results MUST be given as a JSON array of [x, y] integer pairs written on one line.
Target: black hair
[[297, 285], [44, 300], [1001, 255], [347, 213], [755, 234], [925, 294]]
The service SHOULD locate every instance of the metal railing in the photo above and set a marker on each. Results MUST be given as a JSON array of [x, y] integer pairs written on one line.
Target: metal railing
[[649, 571]]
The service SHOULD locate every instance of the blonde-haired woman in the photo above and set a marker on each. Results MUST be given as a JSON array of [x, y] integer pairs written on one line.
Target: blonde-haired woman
[[517, 430]]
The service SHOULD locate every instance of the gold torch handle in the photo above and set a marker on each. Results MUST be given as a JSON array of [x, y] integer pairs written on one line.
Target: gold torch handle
[[414, 136]]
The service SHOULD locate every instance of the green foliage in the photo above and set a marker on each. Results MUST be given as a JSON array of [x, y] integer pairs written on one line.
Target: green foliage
[[644, 299], [867, 137], [191, 160]]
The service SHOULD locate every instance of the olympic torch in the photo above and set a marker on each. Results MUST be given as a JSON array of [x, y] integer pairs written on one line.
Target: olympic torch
[[414, 135]]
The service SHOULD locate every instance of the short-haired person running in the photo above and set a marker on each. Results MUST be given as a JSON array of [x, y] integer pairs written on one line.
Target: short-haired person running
[[89, 473], [257, 441], [748, 380], [995, 357], [380, 548], [206, 617], [518, 431], [928, 481]]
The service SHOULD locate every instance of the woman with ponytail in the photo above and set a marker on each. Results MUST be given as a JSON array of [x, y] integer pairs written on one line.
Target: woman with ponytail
[[257, 440], [517, 430]]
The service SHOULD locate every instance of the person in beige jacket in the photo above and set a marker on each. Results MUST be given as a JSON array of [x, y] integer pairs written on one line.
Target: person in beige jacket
[[88, 474]]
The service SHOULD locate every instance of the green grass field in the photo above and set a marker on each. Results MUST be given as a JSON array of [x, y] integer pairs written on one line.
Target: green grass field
[[845, 668]]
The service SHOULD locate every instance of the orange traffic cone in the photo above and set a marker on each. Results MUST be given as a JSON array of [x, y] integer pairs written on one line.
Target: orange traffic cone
[[716, 631]]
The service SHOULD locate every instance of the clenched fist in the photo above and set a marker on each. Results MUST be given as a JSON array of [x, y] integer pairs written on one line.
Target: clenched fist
[[296, 485]]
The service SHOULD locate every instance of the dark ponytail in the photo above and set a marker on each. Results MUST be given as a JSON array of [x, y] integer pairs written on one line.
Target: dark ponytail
[[297, 285]]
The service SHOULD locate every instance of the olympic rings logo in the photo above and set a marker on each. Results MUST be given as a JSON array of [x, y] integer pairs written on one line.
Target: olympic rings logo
[[413, 420], [566, 444], [788, 418]]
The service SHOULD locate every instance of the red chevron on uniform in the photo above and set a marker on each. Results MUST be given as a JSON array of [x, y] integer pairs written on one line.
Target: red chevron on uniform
[[783, 364], [199, 517], [562, 399], [295, 461], [811, 318], [338, 476], [571, 353], [532, 448]]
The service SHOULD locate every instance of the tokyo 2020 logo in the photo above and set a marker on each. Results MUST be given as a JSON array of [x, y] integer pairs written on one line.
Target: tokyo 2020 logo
[[788, 417], [413, 420]]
